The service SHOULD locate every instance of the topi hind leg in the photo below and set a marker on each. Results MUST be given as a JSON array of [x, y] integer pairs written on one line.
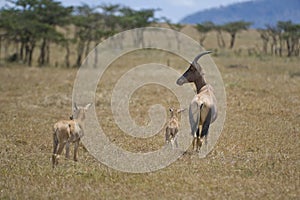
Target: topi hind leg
[[199, 143], [194, 143]]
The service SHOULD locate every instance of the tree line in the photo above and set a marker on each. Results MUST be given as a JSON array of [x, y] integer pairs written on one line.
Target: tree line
[[280, 39], [284, 37], [31, 24], [27, 25]]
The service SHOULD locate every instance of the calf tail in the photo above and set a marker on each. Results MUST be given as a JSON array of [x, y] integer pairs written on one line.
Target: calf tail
[[206, 124]]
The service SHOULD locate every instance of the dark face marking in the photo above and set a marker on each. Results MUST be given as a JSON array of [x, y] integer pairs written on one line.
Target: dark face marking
[[190, 75]]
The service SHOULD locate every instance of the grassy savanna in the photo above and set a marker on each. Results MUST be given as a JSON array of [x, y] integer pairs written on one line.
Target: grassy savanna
[[257, 155]]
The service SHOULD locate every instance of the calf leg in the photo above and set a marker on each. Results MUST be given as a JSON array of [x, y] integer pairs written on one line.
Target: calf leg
[[175, 141], [76, 145], [59, 151], [68, 150], [55, 144], [167, 135], [172, 143]]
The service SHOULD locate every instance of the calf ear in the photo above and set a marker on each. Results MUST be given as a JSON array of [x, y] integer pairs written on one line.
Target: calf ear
[[75, 106], [88, 106], [181, 110]]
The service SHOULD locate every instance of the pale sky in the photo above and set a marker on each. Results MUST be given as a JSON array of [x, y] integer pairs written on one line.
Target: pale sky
[[174, 10]]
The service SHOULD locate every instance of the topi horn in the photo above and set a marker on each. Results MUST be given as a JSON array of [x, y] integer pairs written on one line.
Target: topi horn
[[199, 56]]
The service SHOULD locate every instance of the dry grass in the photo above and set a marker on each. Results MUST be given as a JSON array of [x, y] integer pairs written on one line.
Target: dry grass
[[256, 157]]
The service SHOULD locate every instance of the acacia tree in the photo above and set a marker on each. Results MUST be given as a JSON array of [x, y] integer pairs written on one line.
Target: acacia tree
[[6, 28], [32, 24], [203, 29], [29, 21], [51, 14], [14, 21], [109, 16], [130, 18], [276, 44], [291, 34], [265, 39], [220, 38], [233, 28], [175, 26], [87, 21]]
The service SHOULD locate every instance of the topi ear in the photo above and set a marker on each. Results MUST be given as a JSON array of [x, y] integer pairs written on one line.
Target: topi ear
[[75, 107], [87, 106], [181, 110]]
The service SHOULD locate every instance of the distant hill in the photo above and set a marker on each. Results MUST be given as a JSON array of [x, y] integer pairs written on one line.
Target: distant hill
[[260, 12]]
